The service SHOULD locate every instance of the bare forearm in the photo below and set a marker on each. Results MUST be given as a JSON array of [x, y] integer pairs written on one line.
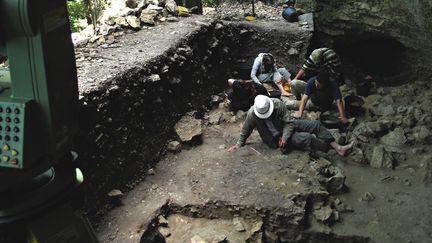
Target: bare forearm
[[303, 102], [341, 109], [299, 74]]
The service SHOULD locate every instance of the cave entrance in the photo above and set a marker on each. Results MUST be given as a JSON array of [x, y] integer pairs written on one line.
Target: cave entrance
[[377, 56]]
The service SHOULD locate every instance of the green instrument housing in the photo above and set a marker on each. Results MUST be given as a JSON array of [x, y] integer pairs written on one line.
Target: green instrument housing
[[39, 86]]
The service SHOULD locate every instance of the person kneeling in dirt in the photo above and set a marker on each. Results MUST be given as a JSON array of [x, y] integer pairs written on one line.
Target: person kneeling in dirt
[[322, 93], [243, 93], [322, 59], [278, 129], [265, 72]]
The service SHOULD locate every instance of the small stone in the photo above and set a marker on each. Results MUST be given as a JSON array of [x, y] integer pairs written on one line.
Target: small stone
[[323, 214], [115, 193], [358, 156], [133, 21], [175, 81], [387, 178], [293, 52], [174, 146], [151, 172], [336, 216], [131, 3], [241, 115], [154, 187], [427, 176], [121, 21], [171, 6], [215, 118], [368, 197], [163, 221], [337, 181], [165, 232], [222, 146], [238, 225], [256, 227], [417, 150], [94, 38], [219, 238], [154, 78], [173, 19]]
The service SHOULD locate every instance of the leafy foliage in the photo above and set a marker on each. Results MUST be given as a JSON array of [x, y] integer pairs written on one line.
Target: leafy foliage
[[77, 12], [85, 10], [211, 3]]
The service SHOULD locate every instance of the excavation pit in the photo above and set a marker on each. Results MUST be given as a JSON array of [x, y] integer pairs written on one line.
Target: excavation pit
[[132, 98], [135, 98]]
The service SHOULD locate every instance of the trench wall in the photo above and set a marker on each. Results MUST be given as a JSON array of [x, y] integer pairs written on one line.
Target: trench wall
[[128, 121]]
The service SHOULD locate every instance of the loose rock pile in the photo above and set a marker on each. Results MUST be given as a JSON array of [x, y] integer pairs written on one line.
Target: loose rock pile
[[394, 127], [127, 15]]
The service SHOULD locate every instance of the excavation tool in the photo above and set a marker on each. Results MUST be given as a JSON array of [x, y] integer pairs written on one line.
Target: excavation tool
[[40, 186]]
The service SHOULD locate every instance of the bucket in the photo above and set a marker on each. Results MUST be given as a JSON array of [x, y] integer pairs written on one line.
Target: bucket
[[353, 105], [290, 14], [329, 120]]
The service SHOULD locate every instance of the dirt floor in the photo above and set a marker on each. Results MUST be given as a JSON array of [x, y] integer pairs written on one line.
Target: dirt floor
[[207, 183]]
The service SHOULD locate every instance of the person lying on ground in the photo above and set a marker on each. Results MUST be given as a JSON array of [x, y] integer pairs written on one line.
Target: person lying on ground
[[322, 93], [278, 129], [322, 59], [243, 93], [265, 72]]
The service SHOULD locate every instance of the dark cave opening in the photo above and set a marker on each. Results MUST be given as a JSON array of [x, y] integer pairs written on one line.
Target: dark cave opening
[[377, 56]]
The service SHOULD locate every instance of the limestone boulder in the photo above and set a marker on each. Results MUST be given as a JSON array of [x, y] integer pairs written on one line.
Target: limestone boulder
[[133, 21], [395, 138], [148, 16], [381, 158], [188, 128]]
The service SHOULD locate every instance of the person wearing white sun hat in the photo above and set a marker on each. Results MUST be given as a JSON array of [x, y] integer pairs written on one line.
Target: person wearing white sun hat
[[278, 129]]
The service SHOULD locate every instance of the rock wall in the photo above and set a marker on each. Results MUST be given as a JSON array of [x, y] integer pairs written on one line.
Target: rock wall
[[349, 21]]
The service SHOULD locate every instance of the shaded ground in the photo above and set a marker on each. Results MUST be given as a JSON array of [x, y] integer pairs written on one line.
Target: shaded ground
[[260, 178]]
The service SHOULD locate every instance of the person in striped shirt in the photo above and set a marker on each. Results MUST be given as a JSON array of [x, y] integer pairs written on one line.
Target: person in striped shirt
[[322, 59]]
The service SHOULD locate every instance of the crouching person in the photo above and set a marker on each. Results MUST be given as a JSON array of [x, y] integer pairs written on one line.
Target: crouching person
[[242, 93], [278, 129]]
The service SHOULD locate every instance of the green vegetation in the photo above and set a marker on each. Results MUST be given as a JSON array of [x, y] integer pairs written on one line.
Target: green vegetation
[[85, 10], [76, 12], [210, 3]]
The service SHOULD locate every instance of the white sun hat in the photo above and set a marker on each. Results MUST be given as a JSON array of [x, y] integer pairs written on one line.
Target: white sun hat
[[263, 106]]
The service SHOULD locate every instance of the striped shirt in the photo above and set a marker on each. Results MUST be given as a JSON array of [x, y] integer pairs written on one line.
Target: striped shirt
[[323, 59]]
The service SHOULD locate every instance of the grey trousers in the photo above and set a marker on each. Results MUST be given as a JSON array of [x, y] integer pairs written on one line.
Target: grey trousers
[[311, 135], [269, 80]]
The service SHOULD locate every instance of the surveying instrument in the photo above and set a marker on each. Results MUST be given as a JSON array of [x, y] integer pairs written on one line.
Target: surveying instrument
[[40, 187]]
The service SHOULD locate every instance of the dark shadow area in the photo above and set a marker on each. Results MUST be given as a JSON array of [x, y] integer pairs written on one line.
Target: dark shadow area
[[377, 56]]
